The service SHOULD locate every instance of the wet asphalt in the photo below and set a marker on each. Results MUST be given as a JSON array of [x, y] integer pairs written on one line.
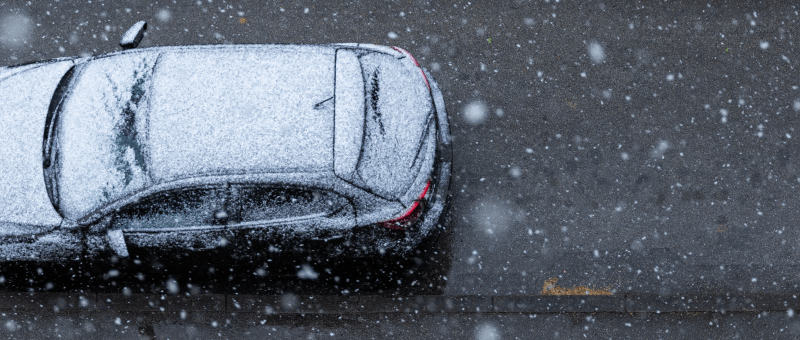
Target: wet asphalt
[[637, 149]]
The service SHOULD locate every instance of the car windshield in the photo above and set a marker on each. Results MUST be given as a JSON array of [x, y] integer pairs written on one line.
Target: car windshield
[[99, 147]]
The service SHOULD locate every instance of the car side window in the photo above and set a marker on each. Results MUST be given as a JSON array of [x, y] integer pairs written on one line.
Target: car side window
[[175, 209], [259, 203]]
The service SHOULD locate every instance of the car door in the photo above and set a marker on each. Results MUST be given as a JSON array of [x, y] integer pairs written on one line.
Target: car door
[[40, 243], [272, 219], [186, 219]]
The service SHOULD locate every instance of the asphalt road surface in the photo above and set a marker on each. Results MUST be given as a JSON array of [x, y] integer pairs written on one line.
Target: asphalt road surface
[[636, 149]]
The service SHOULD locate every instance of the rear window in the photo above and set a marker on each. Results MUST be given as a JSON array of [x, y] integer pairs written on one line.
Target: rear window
[[398, 108]]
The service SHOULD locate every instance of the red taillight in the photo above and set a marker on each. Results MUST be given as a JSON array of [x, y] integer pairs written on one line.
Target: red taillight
[[411, 215], [415, 63]]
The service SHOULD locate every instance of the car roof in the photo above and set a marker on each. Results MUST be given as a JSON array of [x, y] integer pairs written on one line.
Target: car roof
[[135, 119], [241, 110]]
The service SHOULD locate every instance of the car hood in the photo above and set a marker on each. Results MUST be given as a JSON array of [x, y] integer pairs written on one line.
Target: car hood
[[24, 100]]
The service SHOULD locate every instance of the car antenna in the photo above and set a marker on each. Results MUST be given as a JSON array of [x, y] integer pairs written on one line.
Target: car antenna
[[133, 36]]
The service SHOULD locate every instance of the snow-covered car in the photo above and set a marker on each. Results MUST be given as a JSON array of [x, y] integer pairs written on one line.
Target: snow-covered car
[[341, 150]]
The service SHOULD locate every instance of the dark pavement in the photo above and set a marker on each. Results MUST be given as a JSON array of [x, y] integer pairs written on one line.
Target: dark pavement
[[643, 149]]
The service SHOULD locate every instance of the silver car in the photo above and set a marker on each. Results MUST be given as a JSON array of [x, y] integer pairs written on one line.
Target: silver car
[[256, 150]]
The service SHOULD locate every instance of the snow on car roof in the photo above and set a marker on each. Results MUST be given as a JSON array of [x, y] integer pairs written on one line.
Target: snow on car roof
[[155, 115], [241, 109]]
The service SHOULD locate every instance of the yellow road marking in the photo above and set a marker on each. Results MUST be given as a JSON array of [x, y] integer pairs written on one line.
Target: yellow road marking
[[550, 288]]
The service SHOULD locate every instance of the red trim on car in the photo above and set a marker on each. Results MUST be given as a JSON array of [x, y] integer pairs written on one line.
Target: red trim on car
[[398, 49], [426, 79], [415, 63], [409, 216]]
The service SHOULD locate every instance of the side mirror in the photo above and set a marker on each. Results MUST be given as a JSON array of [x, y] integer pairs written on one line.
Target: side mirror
[[114, 237], [116, 240], [133, 36], [101, 225]]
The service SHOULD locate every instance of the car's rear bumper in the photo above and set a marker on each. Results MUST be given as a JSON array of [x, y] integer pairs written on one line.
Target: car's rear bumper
[[381, 241]]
